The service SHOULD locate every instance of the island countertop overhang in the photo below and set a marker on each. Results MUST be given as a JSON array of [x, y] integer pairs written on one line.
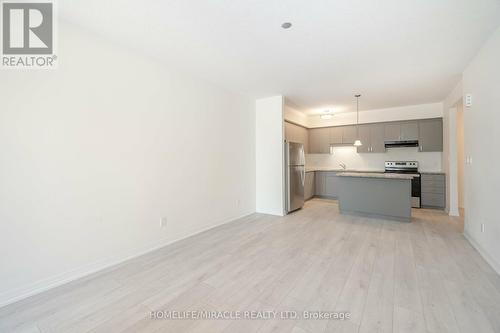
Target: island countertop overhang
[[379, 175]]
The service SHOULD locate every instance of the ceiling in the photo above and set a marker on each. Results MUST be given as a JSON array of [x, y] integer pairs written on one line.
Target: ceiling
[[393, 52]]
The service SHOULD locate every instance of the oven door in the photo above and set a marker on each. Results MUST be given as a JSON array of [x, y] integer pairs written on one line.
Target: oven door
[[416, 192]]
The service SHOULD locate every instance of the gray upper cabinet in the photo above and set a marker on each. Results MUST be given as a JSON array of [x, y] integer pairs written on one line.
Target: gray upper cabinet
[[342, 135], [409, 131], [349, 134], [431, 135], [392, 132], [428, 132], [377, 132], [372, 137], [319, 140], [295, 133], [364, 136], [304, 135], [288, 131], [292, 132], [336, 135], [401, 131]]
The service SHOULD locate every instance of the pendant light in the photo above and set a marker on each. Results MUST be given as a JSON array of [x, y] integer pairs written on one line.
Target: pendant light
[[358, 142]]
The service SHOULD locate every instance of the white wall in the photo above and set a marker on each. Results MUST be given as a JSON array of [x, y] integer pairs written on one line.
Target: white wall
[[460, 155], [481, 79], [295, 116], [269, 132], [374, 162], [450, 107], [94, 153], [410, 112]]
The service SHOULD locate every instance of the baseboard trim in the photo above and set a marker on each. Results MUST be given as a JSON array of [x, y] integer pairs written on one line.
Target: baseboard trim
[[38, 287], [495, 265]]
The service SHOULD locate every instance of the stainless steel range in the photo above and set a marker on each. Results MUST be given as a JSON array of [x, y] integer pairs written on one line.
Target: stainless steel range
[[411, 168]]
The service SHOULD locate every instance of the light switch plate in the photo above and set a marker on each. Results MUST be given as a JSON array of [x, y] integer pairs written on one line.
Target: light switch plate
[[468, 100]]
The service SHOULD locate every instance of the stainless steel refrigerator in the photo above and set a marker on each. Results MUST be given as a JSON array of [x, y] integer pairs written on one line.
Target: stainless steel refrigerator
[[295, 175]]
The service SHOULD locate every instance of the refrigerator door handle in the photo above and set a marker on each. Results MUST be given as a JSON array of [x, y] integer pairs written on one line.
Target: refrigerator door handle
[[303, 176], [288, 202], [288, 187], [295, 176]]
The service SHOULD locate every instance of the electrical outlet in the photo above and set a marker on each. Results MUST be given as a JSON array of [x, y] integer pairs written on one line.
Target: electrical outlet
[[482, 227], [238, 202], [163, 222]]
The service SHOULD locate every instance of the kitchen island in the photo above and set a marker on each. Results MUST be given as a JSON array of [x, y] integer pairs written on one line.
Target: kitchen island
[[382, 195]]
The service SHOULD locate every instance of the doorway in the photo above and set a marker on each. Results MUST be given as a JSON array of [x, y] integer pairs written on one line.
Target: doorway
[[460, 157]]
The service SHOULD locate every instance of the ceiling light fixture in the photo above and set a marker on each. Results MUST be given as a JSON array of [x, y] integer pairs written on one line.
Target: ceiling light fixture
[[358, 142], [327, 115], [286, 25]]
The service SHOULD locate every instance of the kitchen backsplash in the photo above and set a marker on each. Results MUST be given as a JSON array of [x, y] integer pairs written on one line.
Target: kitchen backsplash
[[371, 161]]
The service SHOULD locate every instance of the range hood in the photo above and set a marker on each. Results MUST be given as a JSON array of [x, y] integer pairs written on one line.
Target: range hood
[[401, 144]]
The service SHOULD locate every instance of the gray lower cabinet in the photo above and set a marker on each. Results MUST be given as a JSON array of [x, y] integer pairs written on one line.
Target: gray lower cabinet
[[430, 135], [332, 185], [309, 185], [319, 182], [433, 190], [326, 184]]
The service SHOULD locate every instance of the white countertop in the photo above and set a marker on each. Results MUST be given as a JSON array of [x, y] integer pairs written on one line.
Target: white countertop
[[310, 169], [375, 175], [332, 169]]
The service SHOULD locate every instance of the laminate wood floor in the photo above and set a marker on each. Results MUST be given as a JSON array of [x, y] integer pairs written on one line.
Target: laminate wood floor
[[391, 276]]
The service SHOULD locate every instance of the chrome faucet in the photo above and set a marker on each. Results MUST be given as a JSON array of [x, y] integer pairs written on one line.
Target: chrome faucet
[[343, 166]]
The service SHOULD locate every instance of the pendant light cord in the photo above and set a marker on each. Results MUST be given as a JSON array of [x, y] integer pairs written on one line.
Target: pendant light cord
[[357, 115]]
